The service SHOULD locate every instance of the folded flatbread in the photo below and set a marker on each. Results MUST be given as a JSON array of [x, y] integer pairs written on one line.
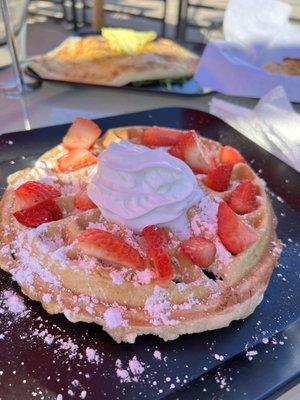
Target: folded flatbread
[[91, 59]]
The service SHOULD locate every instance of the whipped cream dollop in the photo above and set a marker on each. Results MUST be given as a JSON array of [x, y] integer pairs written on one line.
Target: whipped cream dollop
[[136, 186]]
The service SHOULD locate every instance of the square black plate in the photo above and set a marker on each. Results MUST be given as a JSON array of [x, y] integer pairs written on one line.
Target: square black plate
[[189, 368]]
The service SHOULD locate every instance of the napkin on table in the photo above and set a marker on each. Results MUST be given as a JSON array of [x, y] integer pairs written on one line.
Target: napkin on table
[[272, 124], [256, 32]]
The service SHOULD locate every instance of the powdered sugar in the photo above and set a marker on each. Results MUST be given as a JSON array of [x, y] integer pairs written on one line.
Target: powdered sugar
[[13, 302], [135, 366], [143, 277], [250, 354], [204, 223], [159, 307], [46, 297], [117, 276], [29, 266], [130, 373], [222, 254], [113, 317], [92, 355], [157, 354]]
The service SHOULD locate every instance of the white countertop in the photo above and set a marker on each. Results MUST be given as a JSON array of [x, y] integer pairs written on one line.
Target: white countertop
[[54, 104]]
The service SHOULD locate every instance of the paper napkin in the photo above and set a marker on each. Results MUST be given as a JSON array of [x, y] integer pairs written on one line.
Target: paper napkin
[[272, 124], [256, 32]]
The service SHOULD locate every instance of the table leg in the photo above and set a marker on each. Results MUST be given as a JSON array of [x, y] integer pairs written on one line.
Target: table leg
[[98, 15], [182, 16], [74, 16]]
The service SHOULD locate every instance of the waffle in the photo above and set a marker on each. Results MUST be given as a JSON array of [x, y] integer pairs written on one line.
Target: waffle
[[51, 267]]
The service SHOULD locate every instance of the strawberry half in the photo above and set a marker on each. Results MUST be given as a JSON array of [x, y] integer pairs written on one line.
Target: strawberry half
[[75, 159], [218, 179], [158, 136], [200, 250], [82, 134], [45, 211], [157, 247], [32, 192], [243, 198], [176, 151], [195, 154], [230, 155], [83, 202], [109, 247], [233, 233]]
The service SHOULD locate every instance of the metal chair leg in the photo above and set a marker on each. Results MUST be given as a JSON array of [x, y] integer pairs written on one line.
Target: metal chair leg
[[182, 17], [74, 16]]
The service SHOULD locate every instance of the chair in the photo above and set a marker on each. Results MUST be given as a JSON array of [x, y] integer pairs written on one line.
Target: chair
[[188, 13], [118, 7]]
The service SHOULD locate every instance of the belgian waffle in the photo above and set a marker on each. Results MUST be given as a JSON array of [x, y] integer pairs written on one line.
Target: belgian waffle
[[51, 266]]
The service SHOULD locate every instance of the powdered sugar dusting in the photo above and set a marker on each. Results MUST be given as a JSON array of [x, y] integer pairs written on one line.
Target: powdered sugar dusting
[[222, 254], [143, 277], [132, 372], [159, 307], [13, 302], [113, 317], [117, 276], [204, 223], [135, 366], [92, 355]]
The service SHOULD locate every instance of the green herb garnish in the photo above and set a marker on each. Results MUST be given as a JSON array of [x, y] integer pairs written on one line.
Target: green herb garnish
[[168, 82]]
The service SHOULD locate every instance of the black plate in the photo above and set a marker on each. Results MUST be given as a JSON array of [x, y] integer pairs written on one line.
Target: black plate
[[189, 369], [189, 88]]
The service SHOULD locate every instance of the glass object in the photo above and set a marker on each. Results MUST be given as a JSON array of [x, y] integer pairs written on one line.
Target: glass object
[[18, 83]]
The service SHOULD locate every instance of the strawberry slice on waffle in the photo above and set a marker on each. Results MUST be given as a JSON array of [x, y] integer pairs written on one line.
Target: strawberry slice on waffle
[[75, 159], [82, 134], [83, 202], [45, 211], [233, 233], [243, 198], [176, 151], [195, 154], [106, 246], [218, 179], [158, 136], [200, 251], [230, 155], [33, 192], [157, 246]]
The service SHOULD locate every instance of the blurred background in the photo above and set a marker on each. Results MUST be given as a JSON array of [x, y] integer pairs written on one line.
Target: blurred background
[[41, 25]]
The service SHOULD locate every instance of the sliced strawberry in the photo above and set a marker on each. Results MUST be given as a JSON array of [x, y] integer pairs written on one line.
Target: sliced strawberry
[[32, 192], [75, 159], [157, 247], [176, 151], [200, 250], [230, 155], [82, 134], [45, 211], [158, 136], [233, 233], [218, 179], [83, 202], [195, 154], [109, 247], [243, 198]]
